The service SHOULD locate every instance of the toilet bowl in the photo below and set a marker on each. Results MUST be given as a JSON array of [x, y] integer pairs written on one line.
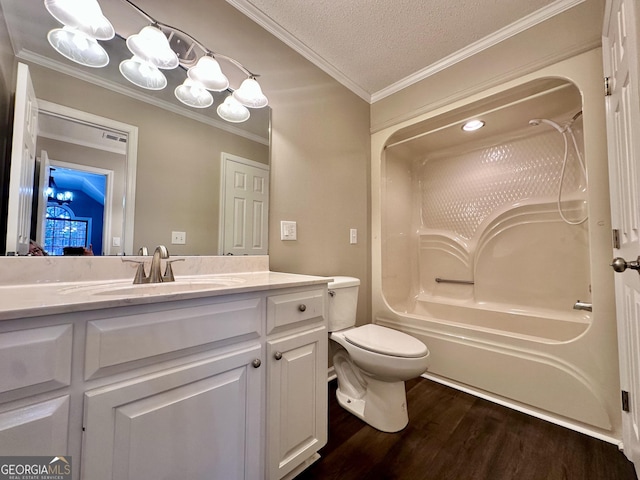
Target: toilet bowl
[[371, 362]]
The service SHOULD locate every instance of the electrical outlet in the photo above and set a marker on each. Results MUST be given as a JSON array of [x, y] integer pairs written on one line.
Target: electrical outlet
[[178, 238]]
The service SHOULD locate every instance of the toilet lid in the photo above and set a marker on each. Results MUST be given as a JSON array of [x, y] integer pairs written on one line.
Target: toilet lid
[[386, 341]]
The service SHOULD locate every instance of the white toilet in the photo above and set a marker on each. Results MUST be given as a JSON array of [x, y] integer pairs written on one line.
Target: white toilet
[[371, 362]]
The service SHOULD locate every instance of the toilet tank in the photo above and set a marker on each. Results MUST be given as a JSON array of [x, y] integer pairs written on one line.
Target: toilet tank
[[343, 301]]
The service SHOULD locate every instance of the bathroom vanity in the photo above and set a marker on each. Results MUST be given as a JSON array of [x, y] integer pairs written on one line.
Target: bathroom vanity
[[225, 378]]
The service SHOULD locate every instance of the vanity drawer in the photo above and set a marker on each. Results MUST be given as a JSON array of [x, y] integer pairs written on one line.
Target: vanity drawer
[[117, 341], [295, 308], [35, 360]]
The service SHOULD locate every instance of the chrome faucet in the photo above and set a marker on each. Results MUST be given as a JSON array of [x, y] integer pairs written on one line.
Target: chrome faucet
[[155, 274]]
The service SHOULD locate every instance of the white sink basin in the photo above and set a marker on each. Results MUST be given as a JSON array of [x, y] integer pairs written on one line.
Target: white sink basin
[[120, 288]]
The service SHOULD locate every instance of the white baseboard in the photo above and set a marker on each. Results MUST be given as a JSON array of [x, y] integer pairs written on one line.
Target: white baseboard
[[521, 408]]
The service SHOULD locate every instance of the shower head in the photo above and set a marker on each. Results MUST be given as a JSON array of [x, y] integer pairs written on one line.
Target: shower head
[[537, 121]]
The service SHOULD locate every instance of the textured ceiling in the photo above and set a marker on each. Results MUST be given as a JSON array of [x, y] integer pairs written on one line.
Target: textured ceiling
[[377, 46]]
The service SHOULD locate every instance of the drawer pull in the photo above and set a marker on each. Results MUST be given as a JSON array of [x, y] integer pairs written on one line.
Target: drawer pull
[[277, 355], [302, 307], [256, 363]]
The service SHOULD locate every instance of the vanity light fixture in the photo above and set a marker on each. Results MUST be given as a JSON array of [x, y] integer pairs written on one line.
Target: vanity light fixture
[[152, 46], [157, 46], [209, 74], [233, 111], [250, 94], [193, 94], [143, 74], [78, 47], [84, 24], [472, 125]]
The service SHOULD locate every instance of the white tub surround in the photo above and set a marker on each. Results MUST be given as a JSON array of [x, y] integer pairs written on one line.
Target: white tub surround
[[482, 211]]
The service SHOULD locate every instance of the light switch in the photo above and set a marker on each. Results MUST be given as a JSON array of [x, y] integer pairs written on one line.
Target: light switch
[[115, 242], [288, 230], [353, 236]]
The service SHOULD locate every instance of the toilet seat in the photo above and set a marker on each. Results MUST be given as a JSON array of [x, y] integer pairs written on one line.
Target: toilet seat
[[386, 341]]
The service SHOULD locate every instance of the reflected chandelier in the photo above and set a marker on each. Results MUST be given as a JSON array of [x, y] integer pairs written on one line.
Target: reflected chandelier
[[156, 47]]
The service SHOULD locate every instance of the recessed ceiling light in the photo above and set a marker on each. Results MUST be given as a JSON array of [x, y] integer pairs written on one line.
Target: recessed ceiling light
[[472, 125]]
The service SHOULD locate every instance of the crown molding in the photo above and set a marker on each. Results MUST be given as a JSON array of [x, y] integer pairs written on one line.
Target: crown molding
[[487, 42], [276, 30], [505, 33]]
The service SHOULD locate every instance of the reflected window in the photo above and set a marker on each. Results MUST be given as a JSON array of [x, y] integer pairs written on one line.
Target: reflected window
[[64, 229]]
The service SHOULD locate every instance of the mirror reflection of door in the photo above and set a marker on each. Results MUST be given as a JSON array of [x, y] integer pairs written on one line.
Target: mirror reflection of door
[[75, 209], [25, 130], [244, 203], [88, 163]]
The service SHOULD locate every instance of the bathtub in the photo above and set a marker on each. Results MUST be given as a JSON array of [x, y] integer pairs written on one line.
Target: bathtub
[[471, 256], [542, 326]]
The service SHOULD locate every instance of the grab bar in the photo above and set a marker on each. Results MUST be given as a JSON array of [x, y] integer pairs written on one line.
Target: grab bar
[[461, 282]]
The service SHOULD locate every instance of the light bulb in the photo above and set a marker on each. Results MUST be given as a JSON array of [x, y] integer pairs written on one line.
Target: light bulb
[[78, 47], [193, 94], [233, 111], [83, 15], [143, 74], [250, 94], [208, 73], [152, 46]]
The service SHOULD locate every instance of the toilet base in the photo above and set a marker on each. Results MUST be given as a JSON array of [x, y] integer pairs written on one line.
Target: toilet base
[[383, 405]]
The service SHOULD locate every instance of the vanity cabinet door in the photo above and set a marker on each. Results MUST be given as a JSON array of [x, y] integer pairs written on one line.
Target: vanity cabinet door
[[201, 420], [296, 400]]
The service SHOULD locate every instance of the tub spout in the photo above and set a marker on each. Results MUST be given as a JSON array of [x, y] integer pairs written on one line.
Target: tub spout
[[582, 306]]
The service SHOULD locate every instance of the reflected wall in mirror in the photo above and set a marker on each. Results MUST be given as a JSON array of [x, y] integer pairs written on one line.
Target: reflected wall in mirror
[[179, 151]]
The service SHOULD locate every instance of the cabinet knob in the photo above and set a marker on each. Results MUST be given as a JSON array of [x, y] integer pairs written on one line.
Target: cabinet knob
[[277, 355], [256, 363], [302, 307]]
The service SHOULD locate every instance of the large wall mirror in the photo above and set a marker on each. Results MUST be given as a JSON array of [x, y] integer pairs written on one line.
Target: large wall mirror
[[173, 191]]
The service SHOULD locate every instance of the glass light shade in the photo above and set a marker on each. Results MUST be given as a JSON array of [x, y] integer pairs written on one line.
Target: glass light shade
[[207, 71], [233, 111], [143, 74], [193, 94], [83, 15], [250, 94], [152, 46], [78, 47]]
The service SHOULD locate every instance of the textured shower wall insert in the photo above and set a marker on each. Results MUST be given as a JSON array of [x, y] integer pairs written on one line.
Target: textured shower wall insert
[[459, 193], [486, 211]]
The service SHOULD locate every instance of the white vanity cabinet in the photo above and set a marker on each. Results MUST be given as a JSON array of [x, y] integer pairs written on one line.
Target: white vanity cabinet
[[35, 369], [296, 381], [197, 421], [219, 387]]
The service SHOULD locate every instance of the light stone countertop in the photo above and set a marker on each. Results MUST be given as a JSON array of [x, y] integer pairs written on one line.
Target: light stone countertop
[[32, 298]]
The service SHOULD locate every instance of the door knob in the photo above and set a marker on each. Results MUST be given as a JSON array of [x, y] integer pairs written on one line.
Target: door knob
[[620, 264]]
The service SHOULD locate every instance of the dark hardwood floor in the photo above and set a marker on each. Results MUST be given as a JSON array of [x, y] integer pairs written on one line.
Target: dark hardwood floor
[[454, 435]]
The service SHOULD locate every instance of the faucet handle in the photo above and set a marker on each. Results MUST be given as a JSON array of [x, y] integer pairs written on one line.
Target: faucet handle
[[168, 272], [141, 275]]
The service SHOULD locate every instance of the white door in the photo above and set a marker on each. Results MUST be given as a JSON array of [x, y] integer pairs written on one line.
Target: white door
[[620, 49], [43, 196], [244, 206], [23, 162]]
